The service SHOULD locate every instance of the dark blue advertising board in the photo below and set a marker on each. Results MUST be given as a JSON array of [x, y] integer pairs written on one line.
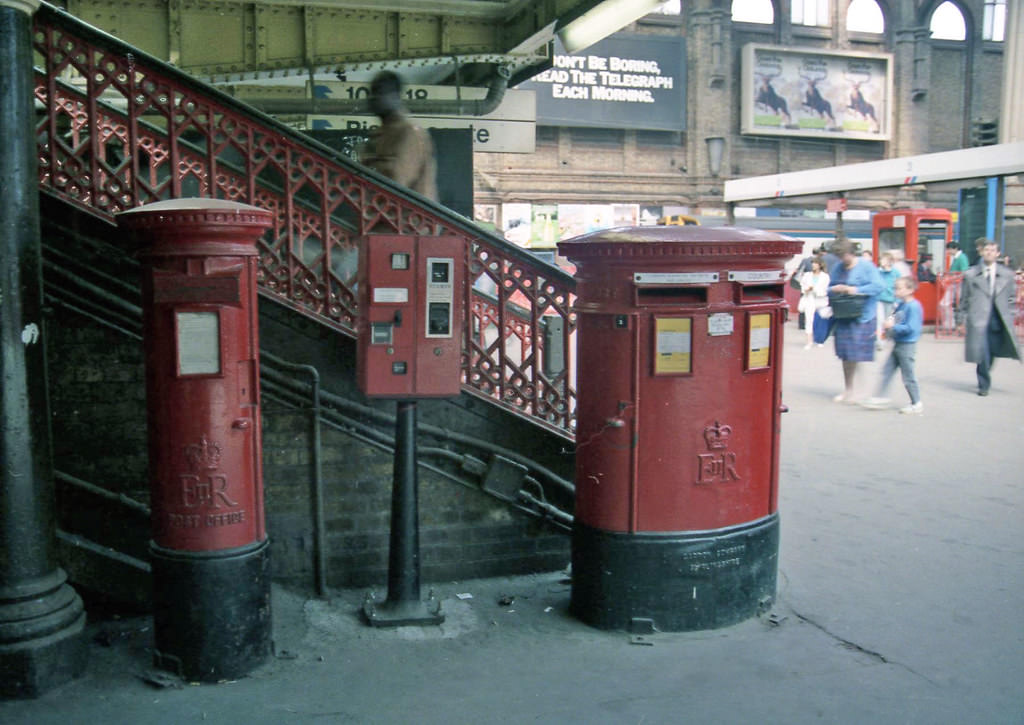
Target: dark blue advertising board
[[624, 81]]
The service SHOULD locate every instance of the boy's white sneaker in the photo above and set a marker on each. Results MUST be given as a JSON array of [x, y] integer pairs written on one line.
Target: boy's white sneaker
[[876, 403], [914, 409]]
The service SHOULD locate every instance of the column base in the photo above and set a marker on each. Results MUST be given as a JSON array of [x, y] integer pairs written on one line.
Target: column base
[[674, 582], [41, 637], [211, 611]]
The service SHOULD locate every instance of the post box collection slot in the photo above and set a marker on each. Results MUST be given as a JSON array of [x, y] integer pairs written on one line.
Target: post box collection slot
[[664, 295], [748, 293]]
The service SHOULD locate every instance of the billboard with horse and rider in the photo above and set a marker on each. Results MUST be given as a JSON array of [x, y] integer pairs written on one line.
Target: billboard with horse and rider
[[788, 92]]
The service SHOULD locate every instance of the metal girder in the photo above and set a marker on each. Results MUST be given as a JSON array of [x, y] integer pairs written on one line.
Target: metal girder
[[230, 40]]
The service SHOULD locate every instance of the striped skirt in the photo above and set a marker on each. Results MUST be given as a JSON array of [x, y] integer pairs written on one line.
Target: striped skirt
[[855, 341]]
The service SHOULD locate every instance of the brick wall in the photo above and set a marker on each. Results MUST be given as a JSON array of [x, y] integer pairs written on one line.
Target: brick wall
[[97, 400]]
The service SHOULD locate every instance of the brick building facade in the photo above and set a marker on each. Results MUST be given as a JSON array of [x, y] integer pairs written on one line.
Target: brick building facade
[[940, 89]]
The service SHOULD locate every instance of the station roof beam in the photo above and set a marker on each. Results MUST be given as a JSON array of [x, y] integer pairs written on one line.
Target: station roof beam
[[227, 40]]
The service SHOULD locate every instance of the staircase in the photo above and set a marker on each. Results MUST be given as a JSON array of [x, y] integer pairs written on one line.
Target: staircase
[[117, 129]]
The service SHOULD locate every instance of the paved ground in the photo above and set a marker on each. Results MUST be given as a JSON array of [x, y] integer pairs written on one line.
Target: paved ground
[[901, 600]]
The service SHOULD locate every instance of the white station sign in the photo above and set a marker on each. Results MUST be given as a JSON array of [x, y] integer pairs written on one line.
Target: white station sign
[[509, 128]]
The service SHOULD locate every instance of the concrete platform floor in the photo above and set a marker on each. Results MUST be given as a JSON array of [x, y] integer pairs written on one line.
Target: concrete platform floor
[[901, 600]]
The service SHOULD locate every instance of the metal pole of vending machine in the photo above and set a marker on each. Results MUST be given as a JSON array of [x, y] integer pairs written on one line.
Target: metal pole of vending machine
[[403, 605]]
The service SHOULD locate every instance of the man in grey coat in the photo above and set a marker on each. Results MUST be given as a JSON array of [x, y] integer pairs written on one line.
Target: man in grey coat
[[987, 293]]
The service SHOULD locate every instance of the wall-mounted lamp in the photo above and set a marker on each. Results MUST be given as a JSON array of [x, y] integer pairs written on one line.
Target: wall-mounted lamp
[[602, 20], [716, 145]]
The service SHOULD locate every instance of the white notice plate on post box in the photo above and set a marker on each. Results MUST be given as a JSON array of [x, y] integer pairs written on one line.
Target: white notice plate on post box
[[720, 323], [391, 295], [675, 277], [768, 275], [198, 343]]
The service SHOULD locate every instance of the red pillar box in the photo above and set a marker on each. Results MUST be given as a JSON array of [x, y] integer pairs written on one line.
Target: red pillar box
[[209, 549], [679, 396]]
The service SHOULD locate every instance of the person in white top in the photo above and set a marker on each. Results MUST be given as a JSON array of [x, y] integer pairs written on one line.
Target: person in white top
[[813, 296], [899, 263]]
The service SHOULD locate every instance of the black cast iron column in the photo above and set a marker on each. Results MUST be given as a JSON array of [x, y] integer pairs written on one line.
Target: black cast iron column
[[41, 616]]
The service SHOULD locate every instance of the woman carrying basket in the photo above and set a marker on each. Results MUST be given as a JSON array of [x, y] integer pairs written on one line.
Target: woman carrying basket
[[853, 296]]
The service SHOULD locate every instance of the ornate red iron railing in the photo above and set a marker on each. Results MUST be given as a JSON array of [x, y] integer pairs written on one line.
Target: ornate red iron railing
[[118, 129]]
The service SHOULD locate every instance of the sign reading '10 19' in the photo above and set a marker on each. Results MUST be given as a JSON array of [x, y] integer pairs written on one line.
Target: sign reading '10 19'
[[625, 81]]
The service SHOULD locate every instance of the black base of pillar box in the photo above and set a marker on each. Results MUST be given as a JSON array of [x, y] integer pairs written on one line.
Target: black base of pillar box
[[41, 637], [211, 611], [678, 581]]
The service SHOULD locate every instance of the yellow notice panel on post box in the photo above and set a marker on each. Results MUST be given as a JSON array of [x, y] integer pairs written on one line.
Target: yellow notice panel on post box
[[760, 341], [672, 341]]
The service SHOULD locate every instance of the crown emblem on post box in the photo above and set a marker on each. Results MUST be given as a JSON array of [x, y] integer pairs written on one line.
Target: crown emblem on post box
[[203, 455], [717, 436]]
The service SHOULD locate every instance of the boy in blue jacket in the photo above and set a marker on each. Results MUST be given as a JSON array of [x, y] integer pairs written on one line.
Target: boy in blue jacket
[[903, 327]]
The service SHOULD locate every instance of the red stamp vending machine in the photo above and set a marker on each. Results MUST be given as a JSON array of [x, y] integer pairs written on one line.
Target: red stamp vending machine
[[412, 301]]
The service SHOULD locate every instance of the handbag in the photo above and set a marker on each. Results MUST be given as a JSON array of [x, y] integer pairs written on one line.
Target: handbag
[[822, 326], [847, 307]]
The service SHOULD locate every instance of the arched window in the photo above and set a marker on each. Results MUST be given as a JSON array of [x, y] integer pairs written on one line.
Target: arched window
[[994, 22], [948, 23], [671, 7], [811, 12], [864, 16], [753, 11]]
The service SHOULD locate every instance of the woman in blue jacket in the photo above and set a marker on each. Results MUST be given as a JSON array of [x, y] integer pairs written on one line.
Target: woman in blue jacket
[[855, 337]]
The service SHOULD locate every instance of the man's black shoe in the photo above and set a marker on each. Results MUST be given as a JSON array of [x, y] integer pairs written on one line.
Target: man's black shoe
[[982, 392]]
